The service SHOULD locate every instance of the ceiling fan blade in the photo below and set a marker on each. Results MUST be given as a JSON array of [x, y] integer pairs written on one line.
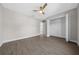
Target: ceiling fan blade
[[44, 5], [41, 8], [35, 10]]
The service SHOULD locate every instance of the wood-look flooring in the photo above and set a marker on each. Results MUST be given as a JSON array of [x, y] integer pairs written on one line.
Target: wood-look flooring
[[39, 45]]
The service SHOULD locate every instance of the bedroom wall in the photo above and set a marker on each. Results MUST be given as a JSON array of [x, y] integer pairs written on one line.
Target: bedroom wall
[[45, 28], [41, 28], [1, 25], [72, 25], [78, 24], [18, 26]]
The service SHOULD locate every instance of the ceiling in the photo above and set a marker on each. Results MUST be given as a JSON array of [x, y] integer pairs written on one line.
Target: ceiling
[[50, 10]]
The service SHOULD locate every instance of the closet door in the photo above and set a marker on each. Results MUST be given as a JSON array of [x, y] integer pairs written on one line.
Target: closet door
[[57, 27]]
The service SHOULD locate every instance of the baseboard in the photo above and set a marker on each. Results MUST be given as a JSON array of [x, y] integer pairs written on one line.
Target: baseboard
[[78, 43], [58, 37], [74, 41], [17, 39], [1, 44]]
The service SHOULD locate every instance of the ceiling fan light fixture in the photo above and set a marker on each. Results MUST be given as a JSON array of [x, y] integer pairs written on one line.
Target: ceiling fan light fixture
[[40, 12]]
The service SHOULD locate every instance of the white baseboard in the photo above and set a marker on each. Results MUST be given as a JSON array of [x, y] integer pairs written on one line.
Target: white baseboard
[[74, 41], [16, 39], [1, 44], [58, 36], [78, 43]]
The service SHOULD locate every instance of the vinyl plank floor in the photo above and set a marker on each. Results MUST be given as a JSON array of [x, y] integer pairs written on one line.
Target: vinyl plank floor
[[39, 45]]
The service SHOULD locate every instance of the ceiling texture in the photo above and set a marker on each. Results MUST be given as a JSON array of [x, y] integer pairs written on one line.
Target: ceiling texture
[[50, 10]]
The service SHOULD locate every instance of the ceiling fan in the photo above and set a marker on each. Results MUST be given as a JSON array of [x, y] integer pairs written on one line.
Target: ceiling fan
[[41, 9]]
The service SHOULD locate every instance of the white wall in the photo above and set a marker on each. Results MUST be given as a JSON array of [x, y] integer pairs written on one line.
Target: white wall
[[18, 26], [54, 27], [45, 28], [1, 25], [63, 25], [41, 28], [48, 28], [72, 25], [57, 27], [78, 23]]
